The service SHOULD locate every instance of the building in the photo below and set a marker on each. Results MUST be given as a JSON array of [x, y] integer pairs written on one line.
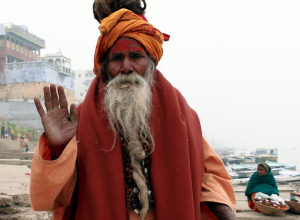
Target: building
[[83, 80], [25, 74], [17, 44]]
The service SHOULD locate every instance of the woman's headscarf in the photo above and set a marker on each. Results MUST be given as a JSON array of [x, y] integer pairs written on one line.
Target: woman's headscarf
[[266, 166]]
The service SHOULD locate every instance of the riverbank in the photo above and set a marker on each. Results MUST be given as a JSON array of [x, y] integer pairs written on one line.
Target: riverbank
[[14, 199]]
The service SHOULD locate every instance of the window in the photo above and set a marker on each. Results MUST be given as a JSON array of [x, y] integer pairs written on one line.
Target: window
[[79, 75], [86, 75], [86, 90], [7, 38], [81, 94], [21, 44], [12, 40]]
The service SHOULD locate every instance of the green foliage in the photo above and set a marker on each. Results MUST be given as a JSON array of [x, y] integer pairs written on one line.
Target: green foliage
[[2, 122], [14, 127], [22, 131], [32, 132], [8, 124], [16, 131]]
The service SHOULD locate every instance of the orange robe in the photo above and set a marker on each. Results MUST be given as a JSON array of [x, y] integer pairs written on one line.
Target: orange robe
[[252, 205], [52, 182]]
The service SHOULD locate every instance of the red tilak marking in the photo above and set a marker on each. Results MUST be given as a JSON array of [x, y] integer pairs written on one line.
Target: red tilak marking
[[126, 44]]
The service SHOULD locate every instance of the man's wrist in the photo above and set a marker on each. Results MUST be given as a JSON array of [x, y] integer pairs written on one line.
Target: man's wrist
[[221, 211]]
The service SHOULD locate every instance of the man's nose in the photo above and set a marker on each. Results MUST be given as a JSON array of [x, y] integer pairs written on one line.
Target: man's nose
[[127, 67]]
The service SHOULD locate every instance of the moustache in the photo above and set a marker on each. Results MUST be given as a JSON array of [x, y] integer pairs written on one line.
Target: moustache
[[123, 81]]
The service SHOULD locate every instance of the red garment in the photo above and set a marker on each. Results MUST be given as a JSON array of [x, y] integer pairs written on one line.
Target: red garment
[[176, 168]]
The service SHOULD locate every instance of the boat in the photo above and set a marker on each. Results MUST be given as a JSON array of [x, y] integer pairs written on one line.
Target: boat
[[285, 176], [278, 167], [243, 171], [224, 159], [249, 159], [263, 154], [233, 175], [266, 157], [234, 159]]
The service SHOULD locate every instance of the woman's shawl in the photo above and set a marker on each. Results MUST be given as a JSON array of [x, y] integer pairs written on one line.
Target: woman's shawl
[[265, 184]]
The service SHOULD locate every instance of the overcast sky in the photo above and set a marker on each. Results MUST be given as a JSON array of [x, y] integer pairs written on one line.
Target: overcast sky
[[236, 62]]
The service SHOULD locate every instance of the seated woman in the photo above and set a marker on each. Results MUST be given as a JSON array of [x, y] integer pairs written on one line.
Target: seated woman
[[261, 181]]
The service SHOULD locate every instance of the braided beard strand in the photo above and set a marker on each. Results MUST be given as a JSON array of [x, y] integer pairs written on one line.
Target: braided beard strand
[[128, 105]]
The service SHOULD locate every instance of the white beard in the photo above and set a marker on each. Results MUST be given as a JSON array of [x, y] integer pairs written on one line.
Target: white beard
[[127, 103]]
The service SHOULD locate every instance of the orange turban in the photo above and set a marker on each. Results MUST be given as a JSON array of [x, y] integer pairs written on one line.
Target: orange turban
[[125, 23]]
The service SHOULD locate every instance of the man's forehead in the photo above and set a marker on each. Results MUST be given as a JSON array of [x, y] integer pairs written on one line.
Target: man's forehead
[[125, 44]]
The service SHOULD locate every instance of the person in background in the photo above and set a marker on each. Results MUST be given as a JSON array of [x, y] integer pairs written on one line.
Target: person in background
[[2, 131], [261, 181], [23, 145], [12, 132], [8, 132]]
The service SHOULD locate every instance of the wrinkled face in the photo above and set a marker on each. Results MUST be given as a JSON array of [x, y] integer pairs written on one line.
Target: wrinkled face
[[127, 56], [261, 170]]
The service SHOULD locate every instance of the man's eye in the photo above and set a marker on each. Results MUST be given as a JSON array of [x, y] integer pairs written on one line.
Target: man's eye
[[136, 55], [116, 58]]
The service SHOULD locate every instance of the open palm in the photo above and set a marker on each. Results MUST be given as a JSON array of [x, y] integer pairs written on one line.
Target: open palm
[[60, 125]]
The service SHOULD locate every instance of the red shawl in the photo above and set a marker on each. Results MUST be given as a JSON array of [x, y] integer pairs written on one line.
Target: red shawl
[[177, 163]]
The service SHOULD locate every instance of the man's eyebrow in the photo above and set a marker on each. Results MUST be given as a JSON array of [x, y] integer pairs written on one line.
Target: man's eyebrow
[[115, 54]]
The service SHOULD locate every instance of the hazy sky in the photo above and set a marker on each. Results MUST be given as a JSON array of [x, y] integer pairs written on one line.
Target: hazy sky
[[236, 62]]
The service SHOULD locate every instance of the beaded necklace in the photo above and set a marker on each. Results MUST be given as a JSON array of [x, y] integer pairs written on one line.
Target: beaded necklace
[[131, 189]]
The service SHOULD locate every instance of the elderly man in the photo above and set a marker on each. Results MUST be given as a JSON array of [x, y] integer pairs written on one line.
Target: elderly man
[[134, 148]]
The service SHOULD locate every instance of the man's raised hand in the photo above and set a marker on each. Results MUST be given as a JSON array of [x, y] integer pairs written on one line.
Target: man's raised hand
[[60, 125]]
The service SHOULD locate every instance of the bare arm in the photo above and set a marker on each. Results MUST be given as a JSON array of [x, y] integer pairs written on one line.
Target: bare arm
[[221, 211]]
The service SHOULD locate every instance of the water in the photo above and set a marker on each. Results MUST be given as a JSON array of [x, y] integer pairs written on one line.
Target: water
[[288, 156]]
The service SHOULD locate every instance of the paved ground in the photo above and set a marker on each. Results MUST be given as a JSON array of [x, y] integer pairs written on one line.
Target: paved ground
[[13, 181]]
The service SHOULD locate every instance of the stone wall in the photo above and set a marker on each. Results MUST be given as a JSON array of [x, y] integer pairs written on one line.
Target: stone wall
[[27, 91]]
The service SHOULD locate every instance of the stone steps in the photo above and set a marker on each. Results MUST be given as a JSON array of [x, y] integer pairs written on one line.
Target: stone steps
[[18, 207], [15, 162], [10, 153]]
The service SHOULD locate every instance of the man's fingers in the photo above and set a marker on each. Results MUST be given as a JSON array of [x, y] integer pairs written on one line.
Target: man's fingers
[[39, 107], [73, 113], [62, 98], [54, 97], [48, 101]]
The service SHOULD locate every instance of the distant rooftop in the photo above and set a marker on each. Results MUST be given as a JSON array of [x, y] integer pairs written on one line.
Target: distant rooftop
[[22, 31]]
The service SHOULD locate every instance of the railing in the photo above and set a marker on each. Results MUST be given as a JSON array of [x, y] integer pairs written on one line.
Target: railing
[[24, 32], [22, 65], [36, 64]]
